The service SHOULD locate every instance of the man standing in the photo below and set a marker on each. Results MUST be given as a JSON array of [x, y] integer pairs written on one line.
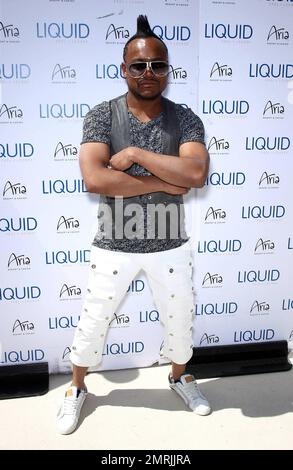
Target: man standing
[[141, 153]]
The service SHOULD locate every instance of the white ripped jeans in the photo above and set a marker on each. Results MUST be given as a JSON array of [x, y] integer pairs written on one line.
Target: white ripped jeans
[[169, 275]]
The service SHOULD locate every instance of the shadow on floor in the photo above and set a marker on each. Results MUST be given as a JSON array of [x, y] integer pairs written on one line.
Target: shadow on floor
[[257, 396]]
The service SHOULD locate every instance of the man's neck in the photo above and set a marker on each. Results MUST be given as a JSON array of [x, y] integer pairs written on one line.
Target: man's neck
[[144, 110]]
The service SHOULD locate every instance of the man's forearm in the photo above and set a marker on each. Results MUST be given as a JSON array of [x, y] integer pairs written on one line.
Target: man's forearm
[[185, 171], [117, 183]]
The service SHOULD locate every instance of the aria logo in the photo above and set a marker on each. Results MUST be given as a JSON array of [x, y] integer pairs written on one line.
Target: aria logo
[[259, 308], [209, 339], [116, 34], [268, 181], [65, 152], [273, 110], [177, 74], [212, 280], [69, 225], [8, 33], [218, 146], [221, 72], [11, 114], [18, 262], [14, 191], [277, 36], [264, 247], [121, 320], [23, 327], [215, 216], [63, 74], [69, 292], [65, 354]]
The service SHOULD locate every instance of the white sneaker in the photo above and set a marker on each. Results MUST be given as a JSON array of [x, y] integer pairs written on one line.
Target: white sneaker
[[188, 389], [69, 411]]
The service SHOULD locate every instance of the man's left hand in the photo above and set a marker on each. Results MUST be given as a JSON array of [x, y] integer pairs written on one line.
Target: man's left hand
[[123, 159]]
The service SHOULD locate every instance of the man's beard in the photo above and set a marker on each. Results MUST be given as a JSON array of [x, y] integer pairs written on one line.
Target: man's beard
[[146, 98]]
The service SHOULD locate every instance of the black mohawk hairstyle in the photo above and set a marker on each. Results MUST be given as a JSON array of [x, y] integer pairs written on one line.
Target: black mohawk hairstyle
[[143, 30], [143, 26]]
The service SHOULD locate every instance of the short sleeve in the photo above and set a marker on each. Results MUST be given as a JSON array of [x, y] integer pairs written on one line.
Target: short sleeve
[[191, 126], [97, 124]]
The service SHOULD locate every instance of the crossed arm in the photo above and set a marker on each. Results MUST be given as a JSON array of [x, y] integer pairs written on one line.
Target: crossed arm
[[171, 174]]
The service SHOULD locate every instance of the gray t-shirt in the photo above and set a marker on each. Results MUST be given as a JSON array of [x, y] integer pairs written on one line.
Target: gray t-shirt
[[146, 135]]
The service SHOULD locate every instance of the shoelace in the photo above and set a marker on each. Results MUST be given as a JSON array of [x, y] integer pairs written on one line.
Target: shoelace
[[192, 391], [70, 406]]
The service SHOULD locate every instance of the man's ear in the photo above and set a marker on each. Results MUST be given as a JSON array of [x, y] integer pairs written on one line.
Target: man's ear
[[124, 70]]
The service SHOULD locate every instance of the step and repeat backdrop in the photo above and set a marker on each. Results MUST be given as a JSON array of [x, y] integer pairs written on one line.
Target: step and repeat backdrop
[[231, 62]]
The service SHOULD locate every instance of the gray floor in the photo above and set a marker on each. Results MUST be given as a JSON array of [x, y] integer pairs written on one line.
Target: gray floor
[[135, 409]]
